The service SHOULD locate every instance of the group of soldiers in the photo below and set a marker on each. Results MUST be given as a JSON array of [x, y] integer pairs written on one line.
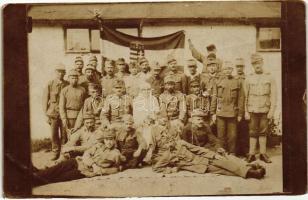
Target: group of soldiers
[[147, 114]]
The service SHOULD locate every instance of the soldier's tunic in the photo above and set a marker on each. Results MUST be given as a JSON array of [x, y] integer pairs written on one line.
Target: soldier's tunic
[[121, 75], [82, 139], [180, 80], [230, 104], [115, 107], [91, 106], [71, 101], [107, 83], [51, 99], [173, 104], [202, 102], [171, 152], [209, 84], [108, 160], [157, 85], [260, 100], [202, 59], [128, 143], [202, 137]]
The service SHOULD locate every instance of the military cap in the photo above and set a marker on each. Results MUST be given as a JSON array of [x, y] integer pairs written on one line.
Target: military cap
[[155, 65], [78, 58], [227, 65], [73, 73], [59, 67], [168, 79], [111, 62], [211, 47], [88, 115], [239, 62], [93, 86], [211, 56], [92, 58], [142, 60], [198, 113], [170, 58], [128, 118], [118, 83], [109, 134], [209, 62], [256, 58], [120, 61], [89, 66], [191, 63]]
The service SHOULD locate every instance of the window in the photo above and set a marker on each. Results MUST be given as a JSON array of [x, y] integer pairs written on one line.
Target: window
[[269, 39], [77, 40]]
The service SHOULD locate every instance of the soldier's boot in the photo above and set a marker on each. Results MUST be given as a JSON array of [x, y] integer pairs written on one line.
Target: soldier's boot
[[250, 158], [256, 173], [265, 158]]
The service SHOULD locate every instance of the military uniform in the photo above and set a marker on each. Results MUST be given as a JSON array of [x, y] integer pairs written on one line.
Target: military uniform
[[71, 101], [51, 98], [243, 131], [128, 143], [173, 104], [97, 74], [180, 81], [115, 107], [79, 68], [230, 105], [91, 105], [84, 81], [107, 83], [171, 154], [260, 103], [98, 160]]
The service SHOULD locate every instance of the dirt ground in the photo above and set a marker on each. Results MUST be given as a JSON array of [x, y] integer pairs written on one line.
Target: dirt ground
[[144, 182]]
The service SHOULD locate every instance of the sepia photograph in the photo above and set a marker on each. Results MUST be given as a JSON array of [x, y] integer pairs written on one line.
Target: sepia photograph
[[142, 99]]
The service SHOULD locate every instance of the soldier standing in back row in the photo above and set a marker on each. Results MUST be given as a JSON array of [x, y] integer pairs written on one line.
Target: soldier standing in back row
[[79, 65], [71, 101], [260, 107], [193, 76], [155, 80], [178, 76], [88, 77], [51, 98], [108, 80], [230, 108], [93, 62]]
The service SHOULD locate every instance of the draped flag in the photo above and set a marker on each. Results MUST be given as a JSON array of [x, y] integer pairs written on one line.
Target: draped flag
[[154, 48]]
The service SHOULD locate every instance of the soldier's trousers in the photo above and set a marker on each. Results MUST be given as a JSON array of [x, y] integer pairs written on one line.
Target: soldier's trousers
[[258, 124], [227, 132], [56, 131], [242, 138], [188, 161], [63, 171], [131, 161], [65, 135]]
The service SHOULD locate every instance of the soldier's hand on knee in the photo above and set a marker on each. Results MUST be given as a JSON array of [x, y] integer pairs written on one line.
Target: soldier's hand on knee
[[214, 119], [137, 153], [247, 116]]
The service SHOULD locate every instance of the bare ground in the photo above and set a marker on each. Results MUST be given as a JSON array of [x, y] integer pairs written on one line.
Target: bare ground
[[144, 182]]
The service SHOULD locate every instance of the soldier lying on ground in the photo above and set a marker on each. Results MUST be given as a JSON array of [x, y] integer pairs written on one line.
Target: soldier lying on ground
[[101, 159], [81, 140], [130, 143], [171, 154]]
